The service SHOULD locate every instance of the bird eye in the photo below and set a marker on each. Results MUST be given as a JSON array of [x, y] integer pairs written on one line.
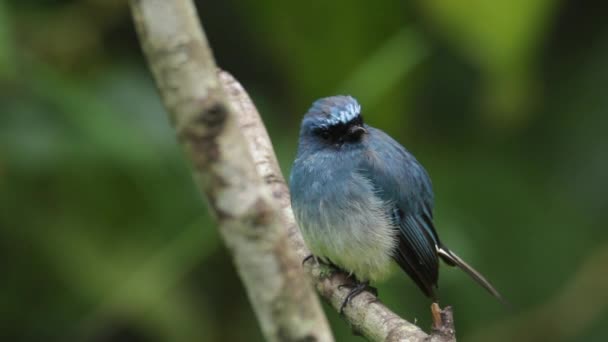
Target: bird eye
[[323, 133]]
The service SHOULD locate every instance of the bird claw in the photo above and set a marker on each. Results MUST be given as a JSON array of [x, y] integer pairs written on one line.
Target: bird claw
[[355, 291], [308, 258]]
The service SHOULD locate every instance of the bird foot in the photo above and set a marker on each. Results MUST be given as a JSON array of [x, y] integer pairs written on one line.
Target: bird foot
[[355, 291]]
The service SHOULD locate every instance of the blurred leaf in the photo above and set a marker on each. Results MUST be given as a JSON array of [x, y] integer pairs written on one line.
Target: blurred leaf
[[368, 82], [113, 132], [318, 44], [7, 64], [502, 39], [129, 284], [564, 317], [499, 36]]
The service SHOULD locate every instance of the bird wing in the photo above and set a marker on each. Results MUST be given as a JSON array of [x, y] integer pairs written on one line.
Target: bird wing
[[404, 184]]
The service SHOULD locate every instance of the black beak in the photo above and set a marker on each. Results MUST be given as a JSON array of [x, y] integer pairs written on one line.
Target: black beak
[[355, 132]]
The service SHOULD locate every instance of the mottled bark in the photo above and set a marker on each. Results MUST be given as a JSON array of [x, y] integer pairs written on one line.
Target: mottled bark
[[207, 126], [236, 168]]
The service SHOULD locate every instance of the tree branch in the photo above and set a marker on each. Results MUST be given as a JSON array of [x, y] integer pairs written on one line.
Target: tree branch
[[206, 126], [237, 170]]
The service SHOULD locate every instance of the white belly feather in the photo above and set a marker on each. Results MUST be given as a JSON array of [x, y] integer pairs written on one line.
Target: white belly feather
[[350, 227]]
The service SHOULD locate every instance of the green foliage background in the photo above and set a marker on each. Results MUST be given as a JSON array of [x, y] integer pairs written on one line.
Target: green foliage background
[[103, 236]]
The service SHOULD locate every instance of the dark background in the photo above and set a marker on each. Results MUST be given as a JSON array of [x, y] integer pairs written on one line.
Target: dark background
[[103, 236]]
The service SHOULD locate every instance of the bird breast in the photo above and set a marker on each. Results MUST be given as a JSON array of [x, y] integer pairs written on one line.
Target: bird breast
[[342, 218]]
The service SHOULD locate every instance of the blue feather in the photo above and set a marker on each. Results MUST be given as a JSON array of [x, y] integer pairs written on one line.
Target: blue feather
[[361, 199]]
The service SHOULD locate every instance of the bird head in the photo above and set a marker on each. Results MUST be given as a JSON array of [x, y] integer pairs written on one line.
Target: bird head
[[334, 120]]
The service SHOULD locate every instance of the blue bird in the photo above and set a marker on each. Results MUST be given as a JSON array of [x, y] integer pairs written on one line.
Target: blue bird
[[362, 200]]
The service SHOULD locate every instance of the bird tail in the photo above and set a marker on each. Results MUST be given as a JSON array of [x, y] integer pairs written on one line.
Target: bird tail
[[454, 260]]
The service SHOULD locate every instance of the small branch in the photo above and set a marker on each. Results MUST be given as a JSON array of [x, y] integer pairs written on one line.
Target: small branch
[[207, 127], [236, 168]]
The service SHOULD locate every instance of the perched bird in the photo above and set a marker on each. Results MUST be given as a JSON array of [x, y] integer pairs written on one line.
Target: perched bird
[[362, 200]]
